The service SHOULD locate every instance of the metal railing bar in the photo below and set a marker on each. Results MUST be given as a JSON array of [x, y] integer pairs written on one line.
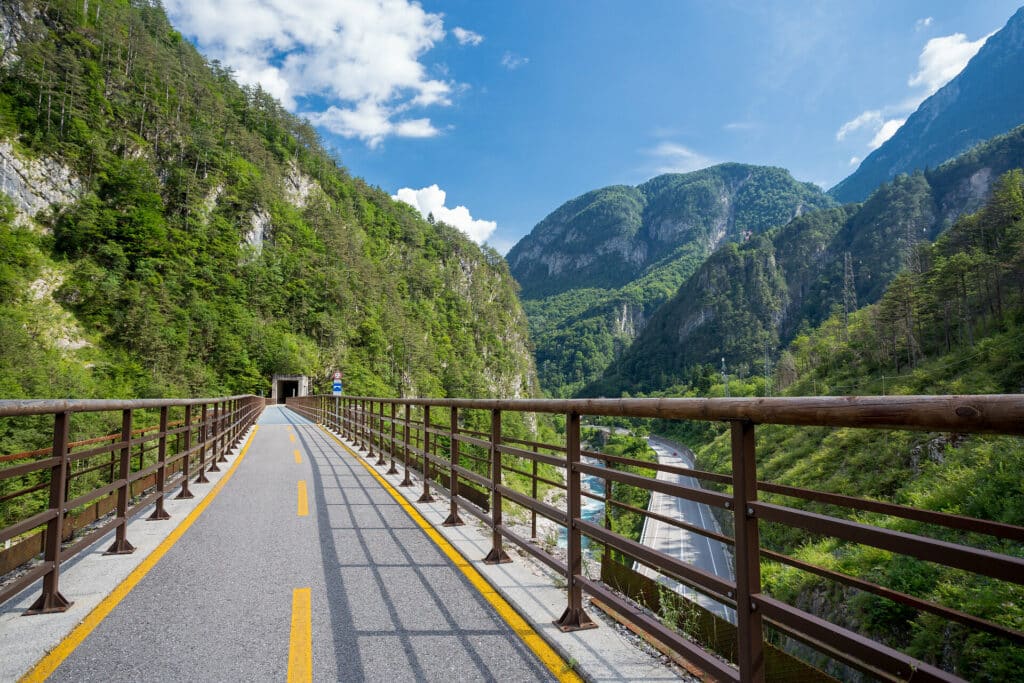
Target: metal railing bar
[[27, 524], [978, 561], [719, 588], [847, 645], [981, 526], [712, 498], [896, 596], [991, 413]]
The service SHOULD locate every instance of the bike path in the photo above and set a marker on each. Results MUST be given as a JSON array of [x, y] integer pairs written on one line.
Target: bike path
[[370, 596]]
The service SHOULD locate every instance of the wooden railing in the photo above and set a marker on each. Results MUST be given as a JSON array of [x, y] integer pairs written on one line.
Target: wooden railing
[[109, 473], [403, 431]]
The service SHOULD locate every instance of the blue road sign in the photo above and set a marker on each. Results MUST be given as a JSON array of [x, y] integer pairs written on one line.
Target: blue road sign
[[337, 388]]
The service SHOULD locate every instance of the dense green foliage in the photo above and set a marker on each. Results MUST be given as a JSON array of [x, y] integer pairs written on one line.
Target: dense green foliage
[[984, 100], [193, 265], [751, 300], [952, 325], [595, 271]]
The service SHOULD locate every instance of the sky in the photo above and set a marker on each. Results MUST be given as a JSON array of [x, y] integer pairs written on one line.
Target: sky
[[492, 114]]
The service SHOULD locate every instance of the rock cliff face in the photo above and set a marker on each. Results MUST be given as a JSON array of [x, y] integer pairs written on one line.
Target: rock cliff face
[[35, 185], [986, 99]]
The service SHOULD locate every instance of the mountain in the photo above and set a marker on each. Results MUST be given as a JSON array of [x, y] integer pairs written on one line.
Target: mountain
[[165, 231], [611, 236], [986, 99], [751, 299], [594, 271]]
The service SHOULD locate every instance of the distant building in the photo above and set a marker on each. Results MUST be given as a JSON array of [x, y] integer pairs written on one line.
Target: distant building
[[286, 386]]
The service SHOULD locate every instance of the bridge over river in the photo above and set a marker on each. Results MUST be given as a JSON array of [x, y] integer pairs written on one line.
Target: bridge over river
[[329, 540]]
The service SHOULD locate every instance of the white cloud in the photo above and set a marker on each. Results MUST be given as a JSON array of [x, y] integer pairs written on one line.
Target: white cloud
[[887, 130], [922, 24], [371, 123], [430, 200], [467, 37], [675, 158], [512, 61], [854, 161], [942, 59], [740, 125], [871, 118], [361, 57]]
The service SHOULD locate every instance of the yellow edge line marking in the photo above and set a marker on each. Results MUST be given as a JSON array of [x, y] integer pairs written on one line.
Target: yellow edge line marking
[[298, 457], [300, 646], [545, 653], [303, 503], [48, 664]]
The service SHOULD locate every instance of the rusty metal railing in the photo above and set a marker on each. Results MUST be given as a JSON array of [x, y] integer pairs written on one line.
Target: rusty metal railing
[[412, 438], [110, 472]]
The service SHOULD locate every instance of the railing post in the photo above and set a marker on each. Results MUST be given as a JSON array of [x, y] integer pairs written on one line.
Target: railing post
[[369, 427], [347, 420], [204, 434], [224, 432], [121, 546], [573, 618], [185, 469], [748, 558], [425, 497], [214, 438], [362, 424], [533, 494], [406, 481], [453, 518], [51, 600], [392, 469], [497, 554], [161, 472], [381, 461]]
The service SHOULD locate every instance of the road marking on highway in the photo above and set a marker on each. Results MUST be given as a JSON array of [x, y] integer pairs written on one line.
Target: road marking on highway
[[544, 652], [291, 437], [298, 457], [303, 501], [300, 647], [48, 664]]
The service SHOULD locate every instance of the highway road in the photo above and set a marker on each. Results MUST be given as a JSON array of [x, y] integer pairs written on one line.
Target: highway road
[[707, 554]]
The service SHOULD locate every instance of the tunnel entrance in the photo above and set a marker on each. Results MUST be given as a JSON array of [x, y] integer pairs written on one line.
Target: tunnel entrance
[[283, 387], [286, 388]]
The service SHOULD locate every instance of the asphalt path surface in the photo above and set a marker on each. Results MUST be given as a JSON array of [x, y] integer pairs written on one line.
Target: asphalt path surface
[[707, 554], [386, 604]]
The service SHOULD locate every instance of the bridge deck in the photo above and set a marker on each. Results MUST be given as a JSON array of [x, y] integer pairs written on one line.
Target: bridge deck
[[385, 602]]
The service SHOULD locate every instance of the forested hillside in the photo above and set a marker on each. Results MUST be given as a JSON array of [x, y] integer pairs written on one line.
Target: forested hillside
[[595, 270], [986, 99], [168, 232], [952, 323], [750, 300]]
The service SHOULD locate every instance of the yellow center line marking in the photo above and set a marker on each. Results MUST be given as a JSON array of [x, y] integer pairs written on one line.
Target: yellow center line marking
[[298, 457], [48, 664], [291, 437], [303, 503], [545, 653], [300, 647]]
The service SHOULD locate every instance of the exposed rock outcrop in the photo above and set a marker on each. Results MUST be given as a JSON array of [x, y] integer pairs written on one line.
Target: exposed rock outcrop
[[35, 185]]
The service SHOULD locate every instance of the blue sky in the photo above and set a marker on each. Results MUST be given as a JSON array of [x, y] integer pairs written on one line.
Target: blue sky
[[511, 109]]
